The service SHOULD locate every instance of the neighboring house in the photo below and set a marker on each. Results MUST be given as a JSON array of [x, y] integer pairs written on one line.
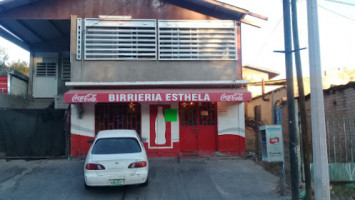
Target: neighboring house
[[169, 69], [255, 76], [263, 108], [13, 83]]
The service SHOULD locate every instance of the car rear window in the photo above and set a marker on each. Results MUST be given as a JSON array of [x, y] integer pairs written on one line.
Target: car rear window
[[116, 145]]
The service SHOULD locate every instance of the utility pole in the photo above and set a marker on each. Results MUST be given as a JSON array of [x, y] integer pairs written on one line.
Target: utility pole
[[302, 105], [290, 101], [320, 157]]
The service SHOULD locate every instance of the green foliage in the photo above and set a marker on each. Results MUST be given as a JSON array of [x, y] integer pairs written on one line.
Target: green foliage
[[20, 66]]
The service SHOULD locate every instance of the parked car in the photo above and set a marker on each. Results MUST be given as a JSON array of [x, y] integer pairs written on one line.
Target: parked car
[[116, 158]]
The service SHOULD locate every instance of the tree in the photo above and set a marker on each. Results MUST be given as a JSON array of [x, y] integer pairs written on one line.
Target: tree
[[20, 66], [3, 57]]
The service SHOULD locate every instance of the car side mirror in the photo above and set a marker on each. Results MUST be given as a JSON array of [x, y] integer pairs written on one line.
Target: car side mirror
[[90, 141]]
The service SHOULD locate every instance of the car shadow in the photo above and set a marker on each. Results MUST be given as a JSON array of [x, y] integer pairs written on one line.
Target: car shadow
[[113, 189]]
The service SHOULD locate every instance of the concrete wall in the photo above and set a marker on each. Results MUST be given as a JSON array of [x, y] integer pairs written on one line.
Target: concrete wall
[[48, 87], [18, 86], [266, 106], [84, 123], [106, 71], [231, 118], [254, 75], [231, 128], [16, 102]]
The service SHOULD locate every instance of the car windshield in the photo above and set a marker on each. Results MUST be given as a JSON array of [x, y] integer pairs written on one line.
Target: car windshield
[[116, 145]]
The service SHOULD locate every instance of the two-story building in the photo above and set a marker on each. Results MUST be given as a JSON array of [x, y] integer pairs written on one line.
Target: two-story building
[[169, 69]]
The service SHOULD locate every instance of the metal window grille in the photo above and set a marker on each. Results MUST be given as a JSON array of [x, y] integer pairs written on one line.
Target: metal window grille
[[118, 116], [197, 40], [79, 24], [188, 114], [208, 113], [46, 69], [65, 66], [119, 40]]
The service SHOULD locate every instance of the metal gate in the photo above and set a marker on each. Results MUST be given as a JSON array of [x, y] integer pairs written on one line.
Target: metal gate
[[118, 116]]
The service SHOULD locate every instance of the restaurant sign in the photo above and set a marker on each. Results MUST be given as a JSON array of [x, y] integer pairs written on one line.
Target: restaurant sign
[[111, 96]]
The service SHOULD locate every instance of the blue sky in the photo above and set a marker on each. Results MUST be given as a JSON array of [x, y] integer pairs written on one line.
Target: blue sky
[[336, 26]]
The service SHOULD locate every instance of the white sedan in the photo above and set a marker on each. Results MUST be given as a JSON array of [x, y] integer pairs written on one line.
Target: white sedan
[[116, 158]]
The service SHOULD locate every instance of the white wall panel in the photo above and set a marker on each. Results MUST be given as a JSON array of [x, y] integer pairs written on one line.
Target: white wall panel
[[231, 118], [45, 81], [18, 87], [86, 124], [146, 122]]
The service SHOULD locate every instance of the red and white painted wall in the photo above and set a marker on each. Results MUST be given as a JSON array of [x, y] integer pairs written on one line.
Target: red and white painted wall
[[82, 128], [231, 128], [162, 138]]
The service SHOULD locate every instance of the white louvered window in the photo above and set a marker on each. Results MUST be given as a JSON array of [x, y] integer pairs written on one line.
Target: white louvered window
[[197, 40], [119, 39], [46, 69], [65, 66]]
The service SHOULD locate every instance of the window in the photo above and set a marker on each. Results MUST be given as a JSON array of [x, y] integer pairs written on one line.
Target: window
[[116, 145], [197, 40], [48, 69], [65, 66], [99, 39], [119, 40]]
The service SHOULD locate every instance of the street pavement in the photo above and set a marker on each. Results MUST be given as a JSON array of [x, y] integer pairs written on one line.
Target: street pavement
[[212, 178]]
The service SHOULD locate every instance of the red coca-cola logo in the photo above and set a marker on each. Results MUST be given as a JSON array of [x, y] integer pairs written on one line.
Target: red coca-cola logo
[[274, 140], [84, 98], [232, 97]]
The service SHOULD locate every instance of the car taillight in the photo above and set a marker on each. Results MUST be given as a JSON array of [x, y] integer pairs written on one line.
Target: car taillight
[[92, 166], [138, 164]]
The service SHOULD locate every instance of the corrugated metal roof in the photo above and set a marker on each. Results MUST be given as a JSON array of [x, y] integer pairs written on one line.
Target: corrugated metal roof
[[36, 31], [10, 4]]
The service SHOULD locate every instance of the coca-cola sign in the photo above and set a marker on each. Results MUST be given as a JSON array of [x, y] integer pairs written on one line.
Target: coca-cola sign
[[274, 140], [156, 95], [232, 97], [77, 98]]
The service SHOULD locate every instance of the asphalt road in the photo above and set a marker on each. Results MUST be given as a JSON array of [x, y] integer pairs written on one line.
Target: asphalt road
[[190, 179]]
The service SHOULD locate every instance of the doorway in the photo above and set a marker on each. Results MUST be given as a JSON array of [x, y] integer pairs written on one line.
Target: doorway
[[117, 116], [198, 126]]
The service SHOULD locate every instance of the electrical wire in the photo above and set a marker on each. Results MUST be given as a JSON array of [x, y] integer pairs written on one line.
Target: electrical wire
[[116, 10], [336, 13], [341, 2]]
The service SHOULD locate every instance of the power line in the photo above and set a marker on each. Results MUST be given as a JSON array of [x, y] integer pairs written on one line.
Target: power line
[[336, 13], [341, 2], [116, 10]]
